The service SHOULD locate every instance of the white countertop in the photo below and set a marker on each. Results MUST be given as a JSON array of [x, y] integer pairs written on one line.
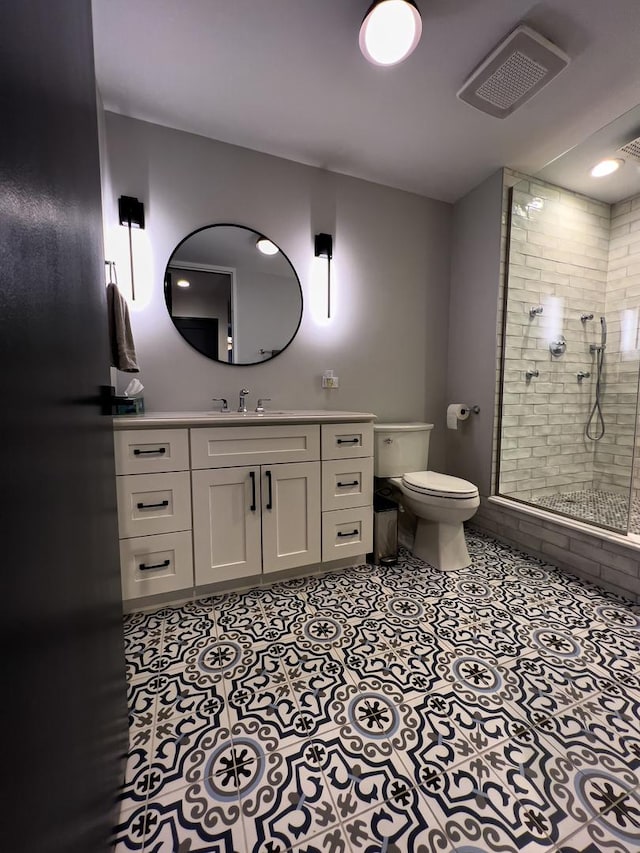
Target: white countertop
[[189, 419]]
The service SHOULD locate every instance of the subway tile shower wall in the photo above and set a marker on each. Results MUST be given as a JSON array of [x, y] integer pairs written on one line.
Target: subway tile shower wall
[[558, 259], [572, 255]]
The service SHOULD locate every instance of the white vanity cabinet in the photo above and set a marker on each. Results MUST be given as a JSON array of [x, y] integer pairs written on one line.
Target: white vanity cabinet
[[220, 500], [255, 519]]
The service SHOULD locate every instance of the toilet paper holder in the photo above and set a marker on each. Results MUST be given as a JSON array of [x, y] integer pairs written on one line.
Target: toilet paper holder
[[474, 410]]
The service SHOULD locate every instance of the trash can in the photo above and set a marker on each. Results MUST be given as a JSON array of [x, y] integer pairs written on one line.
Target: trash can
[[385, 531]]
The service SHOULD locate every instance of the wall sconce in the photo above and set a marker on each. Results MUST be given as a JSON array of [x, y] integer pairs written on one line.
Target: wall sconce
[[131, 214], [324, 249]]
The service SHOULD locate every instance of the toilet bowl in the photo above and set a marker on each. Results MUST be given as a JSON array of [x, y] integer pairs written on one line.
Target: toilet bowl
[[441, 503]]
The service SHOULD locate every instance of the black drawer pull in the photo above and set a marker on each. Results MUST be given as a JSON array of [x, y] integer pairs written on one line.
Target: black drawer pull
[[270, 498], [348, 441], [344, 485], [252, 474], [153, 506], [159, 450], [353, 533], [163, 565]]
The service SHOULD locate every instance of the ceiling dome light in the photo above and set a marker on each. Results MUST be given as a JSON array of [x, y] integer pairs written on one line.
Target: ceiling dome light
[[606, 167], [267, 247], [182, 282], [390, 31]]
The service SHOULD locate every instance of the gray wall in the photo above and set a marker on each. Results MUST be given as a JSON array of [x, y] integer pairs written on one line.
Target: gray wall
[[387, 338], [473, 312]]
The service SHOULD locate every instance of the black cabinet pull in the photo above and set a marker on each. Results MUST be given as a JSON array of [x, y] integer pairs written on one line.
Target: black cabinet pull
[[270, 498], [353, 533], [163, 565], [348, 441], [344, 485], [159, 450], [252, 474], [153, 506]]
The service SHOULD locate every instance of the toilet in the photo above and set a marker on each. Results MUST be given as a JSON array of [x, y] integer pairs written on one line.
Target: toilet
[[440, 503]]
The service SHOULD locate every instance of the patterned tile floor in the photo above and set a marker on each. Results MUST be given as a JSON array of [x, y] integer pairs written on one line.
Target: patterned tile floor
[[595, 505], [388, 709]]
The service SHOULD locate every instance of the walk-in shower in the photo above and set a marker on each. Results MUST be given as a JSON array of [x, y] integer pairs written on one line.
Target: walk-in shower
[[569, 381]]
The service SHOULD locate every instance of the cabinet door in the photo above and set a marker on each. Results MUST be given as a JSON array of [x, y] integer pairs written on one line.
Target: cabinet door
[[153, 564], [347, 483], [226, 524], [148, 451], [290, 515], [153, 503], [347, 441]]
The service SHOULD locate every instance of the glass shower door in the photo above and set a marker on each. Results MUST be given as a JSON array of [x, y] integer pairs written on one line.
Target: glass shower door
[[570, 359]]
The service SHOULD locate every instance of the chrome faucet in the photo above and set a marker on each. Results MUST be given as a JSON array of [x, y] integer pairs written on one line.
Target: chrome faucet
[[224, 407], [242, 405], [260, 406]]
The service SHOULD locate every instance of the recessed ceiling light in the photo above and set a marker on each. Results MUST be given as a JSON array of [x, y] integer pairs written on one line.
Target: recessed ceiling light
[[390, 31], [267, 247], [182, 282], [606, 167]]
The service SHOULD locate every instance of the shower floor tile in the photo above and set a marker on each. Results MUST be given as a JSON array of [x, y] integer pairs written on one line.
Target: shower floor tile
[[391, 709], [609, 509]]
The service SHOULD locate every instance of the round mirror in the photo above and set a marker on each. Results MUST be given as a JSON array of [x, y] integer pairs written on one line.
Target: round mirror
[[232, 294]]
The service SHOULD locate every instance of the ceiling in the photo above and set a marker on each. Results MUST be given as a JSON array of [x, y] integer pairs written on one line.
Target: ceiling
[[286, 77]]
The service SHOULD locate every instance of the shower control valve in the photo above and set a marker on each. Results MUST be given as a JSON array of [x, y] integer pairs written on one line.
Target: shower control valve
[[531, 373], [582, 375]]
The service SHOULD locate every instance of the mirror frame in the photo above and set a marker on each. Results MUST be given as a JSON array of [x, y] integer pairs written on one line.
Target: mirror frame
[[259, 235]]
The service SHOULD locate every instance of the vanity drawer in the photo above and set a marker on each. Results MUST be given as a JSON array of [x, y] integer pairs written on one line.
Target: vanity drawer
[[232, 447], [347, 532], [154, 564], [346, 441], [347, 483], [153, 503], [148, 451]]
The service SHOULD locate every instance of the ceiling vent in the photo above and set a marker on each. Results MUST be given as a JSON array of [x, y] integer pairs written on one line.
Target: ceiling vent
[[514, 72], [631, 149]]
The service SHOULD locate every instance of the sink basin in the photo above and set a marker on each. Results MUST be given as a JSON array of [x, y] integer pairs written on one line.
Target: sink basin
[[245, 414]]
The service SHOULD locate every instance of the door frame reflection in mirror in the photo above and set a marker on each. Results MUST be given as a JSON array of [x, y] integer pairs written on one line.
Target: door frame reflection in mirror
[[230, 336], [174, 263]]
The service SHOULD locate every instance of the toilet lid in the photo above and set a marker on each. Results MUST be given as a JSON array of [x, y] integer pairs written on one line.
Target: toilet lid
[[440, 485]]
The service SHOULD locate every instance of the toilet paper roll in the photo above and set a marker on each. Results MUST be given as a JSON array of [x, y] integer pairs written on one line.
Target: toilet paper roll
[[456, 412]]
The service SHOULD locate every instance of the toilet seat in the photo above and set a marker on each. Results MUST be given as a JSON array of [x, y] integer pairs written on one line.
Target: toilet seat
[[434, 485]]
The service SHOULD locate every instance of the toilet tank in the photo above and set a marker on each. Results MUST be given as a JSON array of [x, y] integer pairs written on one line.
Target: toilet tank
[[400, 448]]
